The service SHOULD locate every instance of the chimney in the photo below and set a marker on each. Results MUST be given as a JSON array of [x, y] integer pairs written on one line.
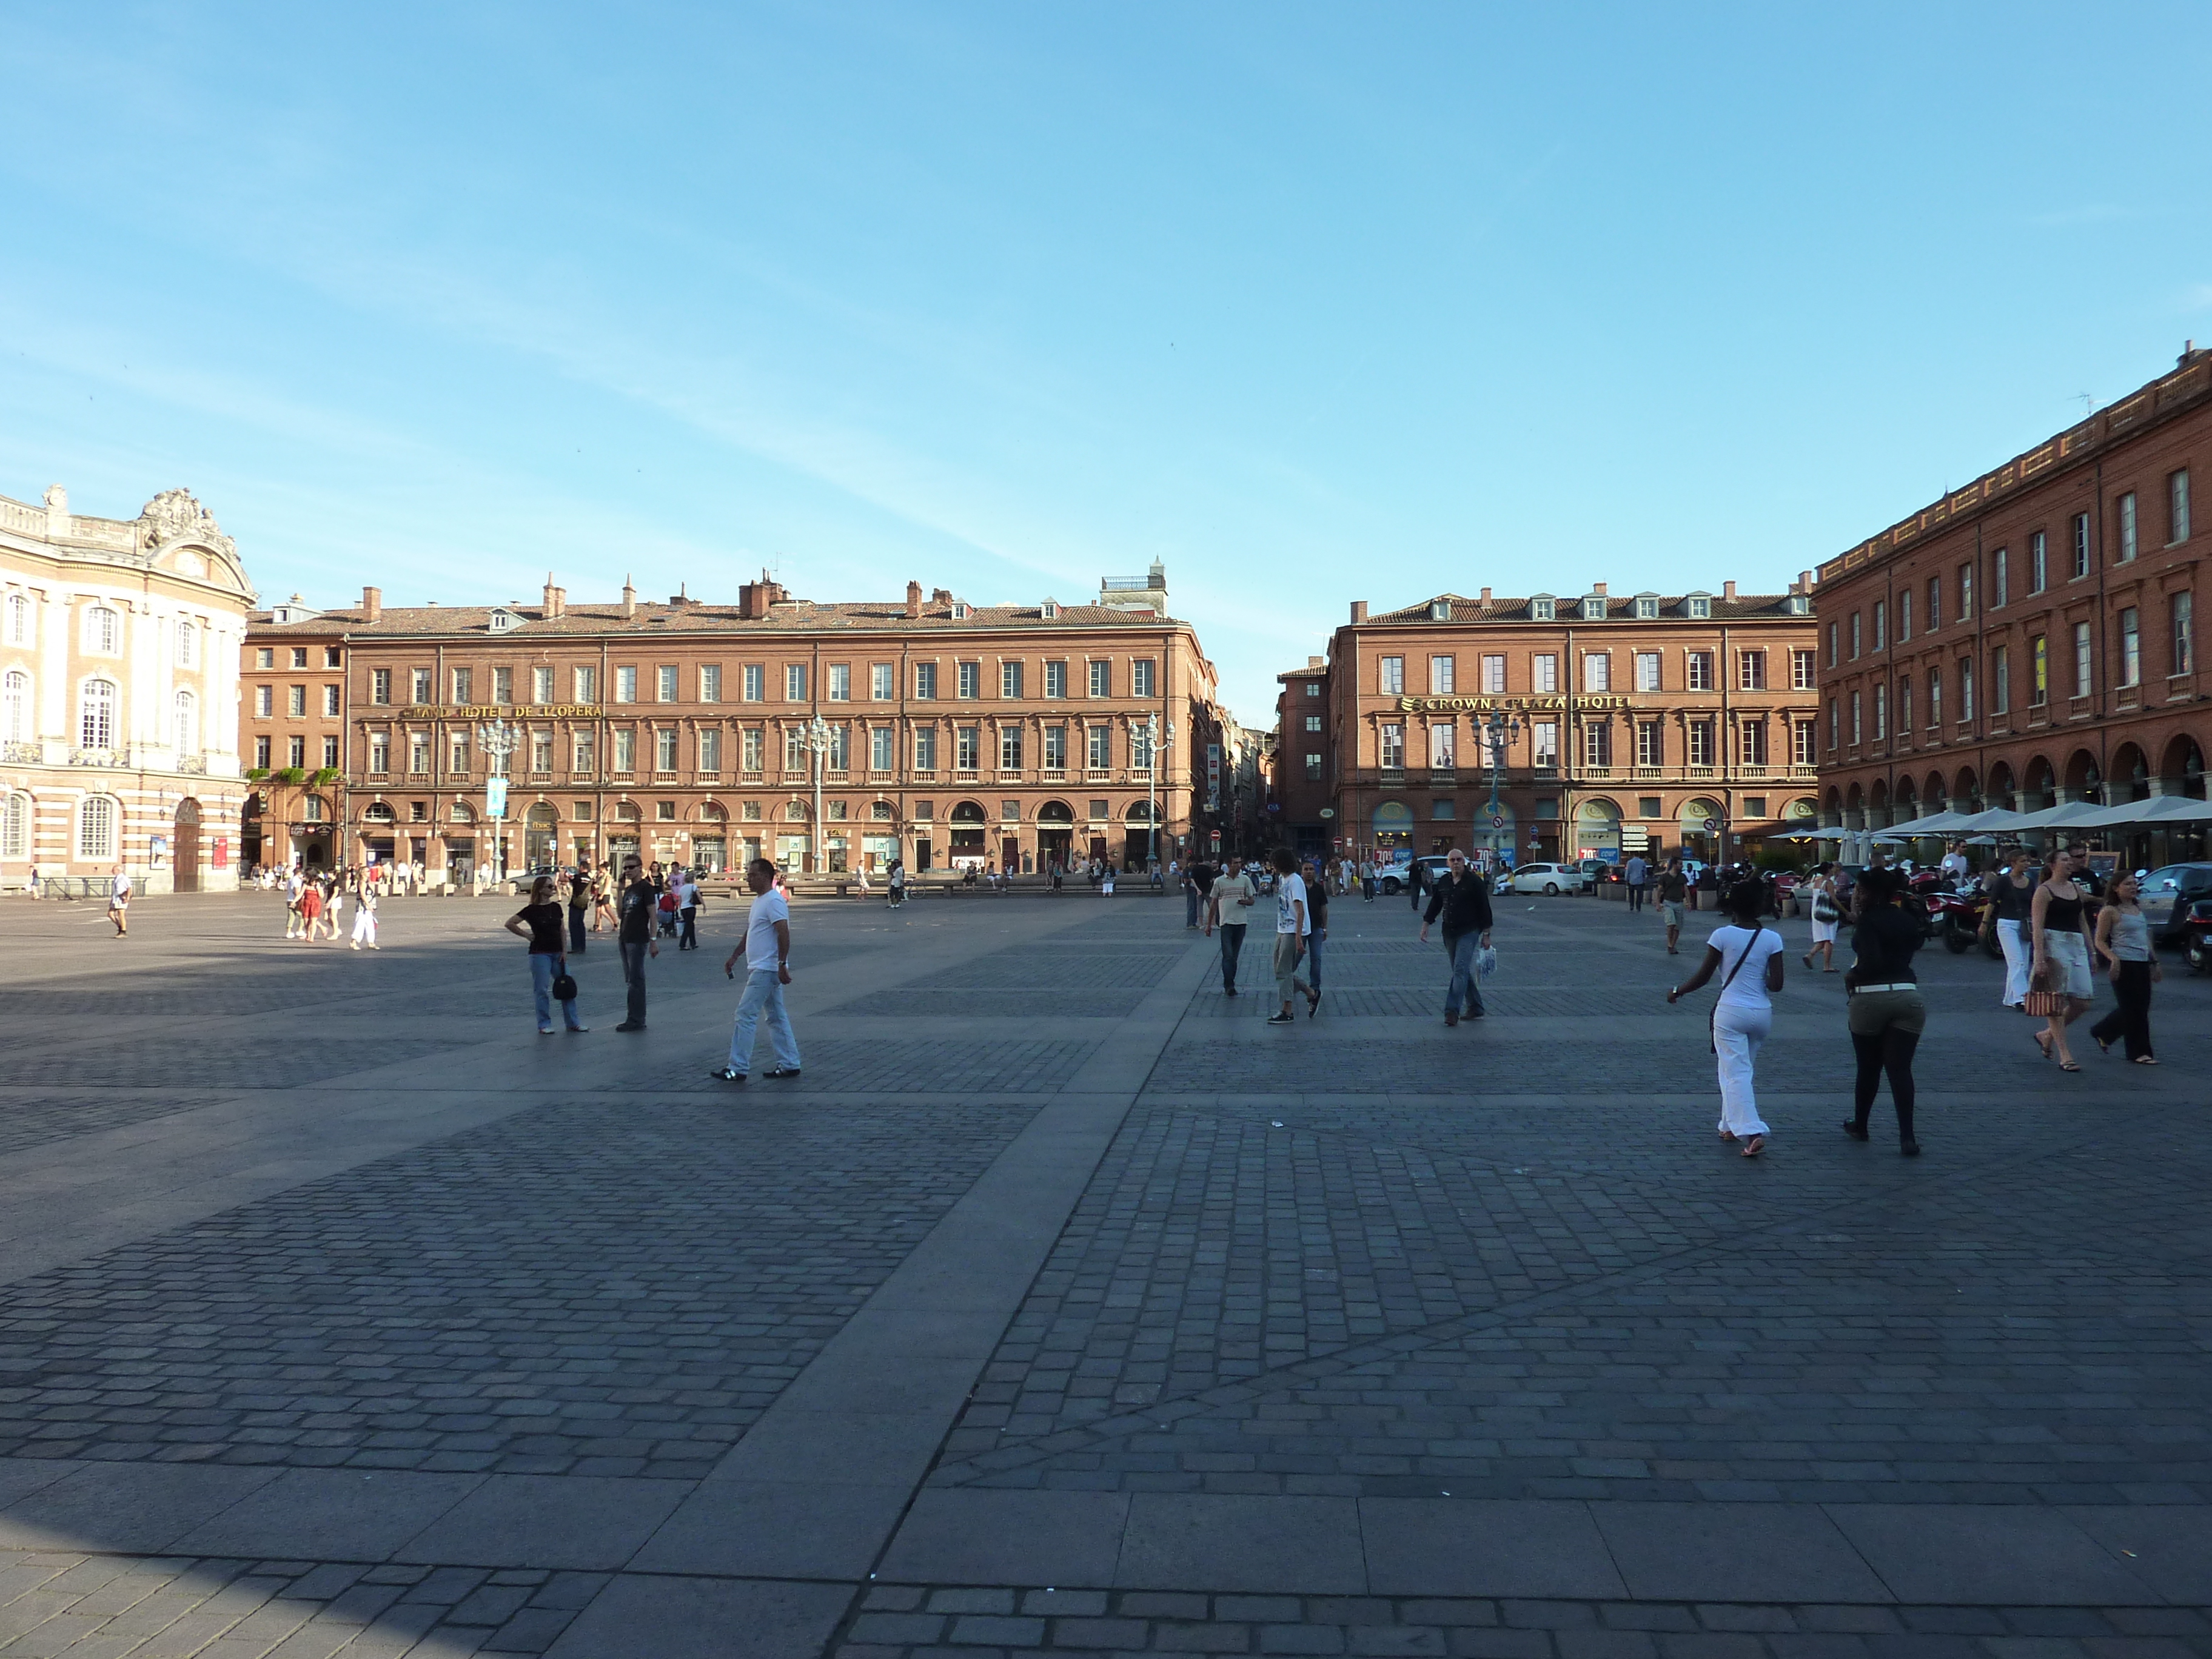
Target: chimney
[[914, 598], [1485, 596], [1728, 592], [940, 596], [554, 602], [1359, 611], [1598, 588], [1804, 582], [630, 599], [372, 604], [1313, 662]]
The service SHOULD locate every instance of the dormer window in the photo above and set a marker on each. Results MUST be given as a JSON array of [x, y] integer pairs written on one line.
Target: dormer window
[[1800, 604], [1699, 607], [1439, 609], [500, 620], [1647, 607], [1542, 608], [960, 610], [1050, 611], [1593, 608]]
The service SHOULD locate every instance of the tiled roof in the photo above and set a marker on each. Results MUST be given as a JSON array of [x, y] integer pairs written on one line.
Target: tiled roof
[[1618, 607], [791, 617]]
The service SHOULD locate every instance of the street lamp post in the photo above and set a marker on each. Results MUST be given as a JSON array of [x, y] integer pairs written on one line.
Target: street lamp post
[[1503, 729], [498, 740], [1156, 741], [818, 740]]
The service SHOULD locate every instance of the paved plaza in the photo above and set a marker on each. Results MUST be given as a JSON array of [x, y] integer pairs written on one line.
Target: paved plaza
[[1061, 1304]]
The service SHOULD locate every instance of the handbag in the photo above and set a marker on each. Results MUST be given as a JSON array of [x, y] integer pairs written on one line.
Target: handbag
[[2041, 1002], [1824, 907], [564, 988]]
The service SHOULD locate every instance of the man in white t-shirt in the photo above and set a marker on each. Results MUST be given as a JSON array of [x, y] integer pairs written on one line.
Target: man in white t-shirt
[[767, 951], [118, 901], [1293, 922]]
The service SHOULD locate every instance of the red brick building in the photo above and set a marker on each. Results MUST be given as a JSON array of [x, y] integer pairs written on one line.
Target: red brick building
[[2030, 638]]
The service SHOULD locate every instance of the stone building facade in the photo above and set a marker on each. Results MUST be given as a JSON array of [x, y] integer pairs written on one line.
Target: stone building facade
[[1619, 721], [951, 733], [2030, 638], [118, 694]]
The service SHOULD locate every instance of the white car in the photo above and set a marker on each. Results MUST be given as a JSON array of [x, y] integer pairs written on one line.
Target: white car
[[1551, 878]]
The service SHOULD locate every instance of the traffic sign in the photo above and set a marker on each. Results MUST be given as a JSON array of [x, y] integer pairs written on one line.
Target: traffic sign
[[1711, 825], [1497, 820]]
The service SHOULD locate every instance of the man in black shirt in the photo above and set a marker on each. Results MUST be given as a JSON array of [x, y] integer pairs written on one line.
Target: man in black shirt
[[1461, 898], [1197, 885], [640, 899]]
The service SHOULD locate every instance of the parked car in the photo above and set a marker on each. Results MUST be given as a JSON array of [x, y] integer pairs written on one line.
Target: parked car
[[1597, 870], [1548, 878], [2167, 893]]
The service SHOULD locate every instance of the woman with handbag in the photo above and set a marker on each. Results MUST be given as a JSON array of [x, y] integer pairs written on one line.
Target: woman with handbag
[[2058, 985], [1886, 1013], [539, 921], [2123, 941], [1743, 1013], [1826, 914], [2010, 916]]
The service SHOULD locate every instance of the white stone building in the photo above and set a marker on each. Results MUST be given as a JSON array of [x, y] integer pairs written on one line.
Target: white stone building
[[119, 643]]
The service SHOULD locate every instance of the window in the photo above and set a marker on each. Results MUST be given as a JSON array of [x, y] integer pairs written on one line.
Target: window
[[1701, 607], [1831, 644], [1544, 738], [925, 681], [881, 749], [464, 682], [1597, 743], [330, 696], [1698, 670], [1010, 679], [1904, 708], [1934, 700], [1647, 607], [664, 684], [188, 639], [752, 682], [2080, 545], [2038, 573], [795, 682], [1541, 610], [839, 757], [1855, 636], [1393, 681], [18, 631], [418, 752], [295, 700], [2000, 579], [2130, 647], [2127, 507], [1999, 681], [1313, 688], [841, 682], [752, 748], [925, 749], [457, 756], [1544, 671], [969, 679], [1650, 744], [1010, 749], [2082, 662], [295, 751], [1855, 720], [1700, 735], [1593, 608], [967, 747], [1442, 677], [1597, 671], [1102, 679], [1099, 746], [1881, 713], [187, 723], [103, 632], [1493, 676], [1647, 671], [541, 686], [265, 700], [1141, 678], [15, 825], [1390, 746], [795, 757], [264, 658], [1966, 589], [16, 708], [1800, 671], [1751, 745], [2039, 671], [664, 749], [1965, 689], [710, 681], [541, 753], [1313, 768], [882, 682], [502, 685], [625, 685], [1802, 744], [1832, 733], [299, 656], [1935, 603], [1056, 748], [1055, 679], [333, 657], [95, 827], [1443, 747], [582, 756], [2177, 506], [1751, 670], [586, 681], [1880, 625], [625, 750], [2184, 650]]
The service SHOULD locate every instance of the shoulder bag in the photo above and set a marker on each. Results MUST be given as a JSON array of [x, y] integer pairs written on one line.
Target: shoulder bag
[[1824, 906]]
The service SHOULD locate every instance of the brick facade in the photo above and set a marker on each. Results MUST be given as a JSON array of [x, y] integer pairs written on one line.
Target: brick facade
[[2030, 638]]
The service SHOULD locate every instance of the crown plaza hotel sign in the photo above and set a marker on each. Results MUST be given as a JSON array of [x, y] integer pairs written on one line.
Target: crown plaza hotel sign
[[1484, 705]]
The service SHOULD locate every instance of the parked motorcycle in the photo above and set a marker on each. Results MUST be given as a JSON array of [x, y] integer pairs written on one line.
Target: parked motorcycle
[[1957, 918], [2196, 937]]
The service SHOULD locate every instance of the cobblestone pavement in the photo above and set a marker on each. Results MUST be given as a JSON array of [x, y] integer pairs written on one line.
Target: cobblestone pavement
[[1119, 1321]]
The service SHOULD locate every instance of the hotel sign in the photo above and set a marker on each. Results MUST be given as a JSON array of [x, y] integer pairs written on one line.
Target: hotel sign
[[534, 711], [1484, 705]]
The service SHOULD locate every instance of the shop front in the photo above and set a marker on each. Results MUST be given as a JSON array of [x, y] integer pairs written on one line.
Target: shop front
[[1394, 829], [1056, 834]]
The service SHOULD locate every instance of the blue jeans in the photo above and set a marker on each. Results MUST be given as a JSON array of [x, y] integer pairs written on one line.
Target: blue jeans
[[762, 998], [1313, 956], [1466, 984], [1190, 906], [1232, 946], [543, 968], [576, 919]]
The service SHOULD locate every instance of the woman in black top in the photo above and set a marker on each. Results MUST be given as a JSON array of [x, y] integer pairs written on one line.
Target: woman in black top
[[539, 921], [2010, 915], [1886, 1014]]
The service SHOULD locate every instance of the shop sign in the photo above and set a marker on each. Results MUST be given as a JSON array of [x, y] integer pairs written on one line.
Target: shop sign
[[1563, 701]]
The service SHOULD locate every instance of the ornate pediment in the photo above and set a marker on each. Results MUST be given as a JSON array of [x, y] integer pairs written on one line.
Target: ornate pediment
[[174, 515]]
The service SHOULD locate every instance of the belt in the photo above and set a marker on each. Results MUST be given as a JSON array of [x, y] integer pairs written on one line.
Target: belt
[[1897, 985]]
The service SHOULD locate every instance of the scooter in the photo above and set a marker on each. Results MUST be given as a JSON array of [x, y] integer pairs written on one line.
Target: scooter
[[2196, 937], [1957, 918]]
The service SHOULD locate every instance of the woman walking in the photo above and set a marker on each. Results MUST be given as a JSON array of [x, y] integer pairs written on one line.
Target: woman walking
[[539, 921], [1826, 914], [1886, 1014], [603, 901], [364, 919], [2060, 988], [1749, 955], [2123, 941], [2010, 916], [897, 886]]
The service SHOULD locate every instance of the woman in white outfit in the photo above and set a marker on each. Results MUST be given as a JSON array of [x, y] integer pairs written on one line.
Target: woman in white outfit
[[364, 919], [2011, 915], [1826, 914], [1747, 955]]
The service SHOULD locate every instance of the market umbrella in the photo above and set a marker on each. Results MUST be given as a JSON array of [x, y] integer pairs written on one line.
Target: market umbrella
[[2066, 814], [1935, 825], [2147, 814]]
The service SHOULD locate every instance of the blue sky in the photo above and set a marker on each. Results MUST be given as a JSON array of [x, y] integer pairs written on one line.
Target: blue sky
[[1313, 303]]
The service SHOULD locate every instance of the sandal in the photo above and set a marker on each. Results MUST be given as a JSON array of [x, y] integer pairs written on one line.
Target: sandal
[[1754, 1146], [1855, 1131], [2042, 1042], [2145, 1060], [1728, 1134], [2068, 1065]]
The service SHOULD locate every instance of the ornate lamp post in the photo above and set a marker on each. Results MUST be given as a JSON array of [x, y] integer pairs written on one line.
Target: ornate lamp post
[[1156, 741], [818, 740], [1503, 729], [498, 740]]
